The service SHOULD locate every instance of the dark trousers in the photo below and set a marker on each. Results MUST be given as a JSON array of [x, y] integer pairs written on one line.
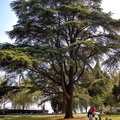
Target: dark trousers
[[89, 113]]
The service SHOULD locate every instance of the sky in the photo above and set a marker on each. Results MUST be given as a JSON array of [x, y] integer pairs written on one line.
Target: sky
[[8, 17], [7, 20]]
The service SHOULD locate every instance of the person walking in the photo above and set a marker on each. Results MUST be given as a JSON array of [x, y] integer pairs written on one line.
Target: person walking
[[43, 109], [56, 109]]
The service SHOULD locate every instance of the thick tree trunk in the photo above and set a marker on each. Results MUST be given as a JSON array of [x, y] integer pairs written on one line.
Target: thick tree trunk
[[64, 104], [69, 89], [69, 108]]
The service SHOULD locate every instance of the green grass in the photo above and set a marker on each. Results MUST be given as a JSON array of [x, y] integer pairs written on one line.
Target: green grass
[[50, 117], [113, 117], [28, 117], [54, 117]]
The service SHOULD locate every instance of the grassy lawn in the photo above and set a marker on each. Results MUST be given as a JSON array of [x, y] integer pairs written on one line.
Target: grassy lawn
[[51, 117], [113, 117], [54, 117]]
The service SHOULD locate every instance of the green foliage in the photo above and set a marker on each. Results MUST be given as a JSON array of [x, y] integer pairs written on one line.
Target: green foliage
[[108, 98], [58, 99], [16, 58], [97, 101], [7, 88], [116, 93], [83, 98], [101, 81], [23, 98]]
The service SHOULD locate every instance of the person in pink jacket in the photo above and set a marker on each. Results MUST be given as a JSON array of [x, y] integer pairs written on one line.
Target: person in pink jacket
[[92, 110]]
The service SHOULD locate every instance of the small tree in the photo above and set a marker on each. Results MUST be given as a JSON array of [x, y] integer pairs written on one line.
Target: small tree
[[24, 98], [5, 93]]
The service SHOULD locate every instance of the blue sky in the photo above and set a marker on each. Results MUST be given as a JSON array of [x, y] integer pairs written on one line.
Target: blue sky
[[7, 20], [8, 17]]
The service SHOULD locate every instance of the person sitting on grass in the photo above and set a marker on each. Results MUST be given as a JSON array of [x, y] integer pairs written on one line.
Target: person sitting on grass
[[92, 110]]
